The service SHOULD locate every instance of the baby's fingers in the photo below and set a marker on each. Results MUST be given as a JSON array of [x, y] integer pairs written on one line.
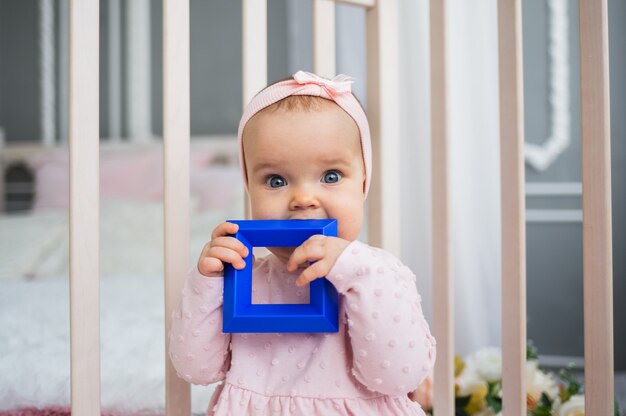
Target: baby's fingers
[[310, 250], [231, 243], [210, 266], [314, 271], [227, 255], [223, 229]]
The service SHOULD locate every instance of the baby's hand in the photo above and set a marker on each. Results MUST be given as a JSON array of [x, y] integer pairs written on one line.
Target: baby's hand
[[323, 250], [222, 249]]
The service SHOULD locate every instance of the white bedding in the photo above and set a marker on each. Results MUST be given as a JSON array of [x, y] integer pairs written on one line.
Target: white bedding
[[34, 310], [36, 245], [35, 354]]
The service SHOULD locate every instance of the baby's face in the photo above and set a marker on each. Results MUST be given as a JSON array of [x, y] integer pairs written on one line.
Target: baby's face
[[306, 164]]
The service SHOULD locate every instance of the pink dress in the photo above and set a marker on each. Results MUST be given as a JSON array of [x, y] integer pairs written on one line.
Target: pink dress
[[383, 350]]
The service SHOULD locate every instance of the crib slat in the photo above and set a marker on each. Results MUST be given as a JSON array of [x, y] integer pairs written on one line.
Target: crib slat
[[254, 48], [46, 71], [596, 178], [443, 288], [138, 71], [115, 71], [324, 59], [382, 112], [176, 131], [513, 205], [84, 207]]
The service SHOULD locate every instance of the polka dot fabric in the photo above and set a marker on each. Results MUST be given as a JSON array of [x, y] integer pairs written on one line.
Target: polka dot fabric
[[383, 350]]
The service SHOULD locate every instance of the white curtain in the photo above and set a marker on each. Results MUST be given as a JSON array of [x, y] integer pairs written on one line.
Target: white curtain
[[473, 128]]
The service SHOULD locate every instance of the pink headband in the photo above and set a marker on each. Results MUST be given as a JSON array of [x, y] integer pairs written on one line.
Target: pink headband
[[338, 89]]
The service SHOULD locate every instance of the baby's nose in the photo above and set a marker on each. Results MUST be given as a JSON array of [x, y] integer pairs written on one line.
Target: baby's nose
[[303, 199]]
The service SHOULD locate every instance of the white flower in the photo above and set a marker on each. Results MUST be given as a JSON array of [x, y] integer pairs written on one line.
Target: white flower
[[575, 406], [538, 382], [531, 368], [488, 363], [470, 382], [487, 412]]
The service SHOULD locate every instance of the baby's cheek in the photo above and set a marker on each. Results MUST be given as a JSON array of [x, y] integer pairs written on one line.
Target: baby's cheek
[[264, 209], [349, 227]]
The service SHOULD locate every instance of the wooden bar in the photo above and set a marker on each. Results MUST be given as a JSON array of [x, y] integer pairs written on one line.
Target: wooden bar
[[513, 205], [443, 286], [84, 206], [596, 179], [324, 59], [254, 48], [254, 71], [176, 132], [382, 111]]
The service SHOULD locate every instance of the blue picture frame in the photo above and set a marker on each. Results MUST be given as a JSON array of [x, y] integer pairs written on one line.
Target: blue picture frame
[[321, 314]]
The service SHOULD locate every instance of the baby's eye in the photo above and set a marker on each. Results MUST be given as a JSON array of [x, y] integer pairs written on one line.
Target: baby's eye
[[332, 176], [276, 181]]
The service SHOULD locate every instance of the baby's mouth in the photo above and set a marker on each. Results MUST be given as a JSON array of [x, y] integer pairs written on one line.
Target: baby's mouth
[[308, 217]]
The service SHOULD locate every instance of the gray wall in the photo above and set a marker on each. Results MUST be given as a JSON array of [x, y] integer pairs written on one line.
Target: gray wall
[[554, 251], [216, 88], [19, 70]]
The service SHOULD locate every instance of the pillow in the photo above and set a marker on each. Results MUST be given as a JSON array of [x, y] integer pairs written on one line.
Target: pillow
[[51, 179], [216, 187], [125, 173]]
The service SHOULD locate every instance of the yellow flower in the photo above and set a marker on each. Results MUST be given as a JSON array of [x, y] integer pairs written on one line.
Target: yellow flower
[[459, 365], [477, 400]]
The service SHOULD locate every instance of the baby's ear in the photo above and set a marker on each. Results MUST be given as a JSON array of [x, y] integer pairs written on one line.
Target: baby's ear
[[364, 181]]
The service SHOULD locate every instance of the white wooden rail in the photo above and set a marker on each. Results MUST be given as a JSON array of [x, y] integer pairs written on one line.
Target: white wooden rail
[[84, 207], [176, 131], [512, 208], [443, 287], [324, 59], [382, 111], [254, 48], [596, 178], [384, 218]]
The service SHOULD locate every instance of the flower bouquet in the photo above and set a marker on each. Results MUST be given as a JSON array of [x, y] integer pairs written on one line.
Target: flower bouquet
[[478, 387]]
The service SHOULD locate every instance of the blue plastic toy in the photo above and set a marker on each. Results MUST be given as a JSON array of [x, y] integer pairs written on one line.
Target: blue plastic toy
[[240, 315]]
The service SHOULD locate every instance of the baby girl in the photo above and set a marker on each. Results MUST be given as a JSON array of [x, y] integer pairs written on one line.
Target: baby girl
[[305, 152]]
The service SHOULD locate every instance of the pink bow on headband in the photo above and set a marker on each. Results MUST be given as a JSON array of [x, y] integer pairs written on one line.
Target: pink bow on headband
[[339, 84]]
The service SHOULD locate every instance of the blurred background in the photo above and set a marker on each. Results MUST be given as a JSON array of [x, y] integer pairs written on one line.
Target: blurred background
[[34, 360]]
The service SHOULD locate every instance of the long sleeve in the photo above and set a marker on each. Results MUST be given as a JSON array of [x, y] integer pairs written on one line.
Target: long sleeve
[[392, 347], [198, 348]]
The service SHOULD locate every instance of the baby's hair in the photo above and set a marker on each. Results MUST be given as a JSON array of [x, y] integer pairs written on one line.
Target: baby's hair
[[300, 102], [304, 103]]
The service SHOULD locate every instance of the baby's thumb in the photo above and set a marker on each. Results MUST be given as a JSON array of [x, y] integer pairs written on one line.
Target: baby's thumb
[[211, 267]]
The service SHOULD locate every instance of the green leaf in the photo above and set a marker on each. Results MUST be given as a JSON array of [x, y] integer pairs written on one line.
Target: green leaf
[[541, 411], [544, 407], [573, 385], [545, 401], [531, 351], [495, 403]]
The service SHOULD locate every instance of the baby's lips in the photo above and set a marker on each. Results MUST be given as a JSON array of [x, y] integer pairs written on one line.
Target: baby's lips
[[308, 217]]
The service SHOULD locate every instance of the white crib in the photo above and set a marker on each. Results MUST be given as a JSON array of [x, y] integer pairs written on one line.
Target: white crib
[[383, 222]]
